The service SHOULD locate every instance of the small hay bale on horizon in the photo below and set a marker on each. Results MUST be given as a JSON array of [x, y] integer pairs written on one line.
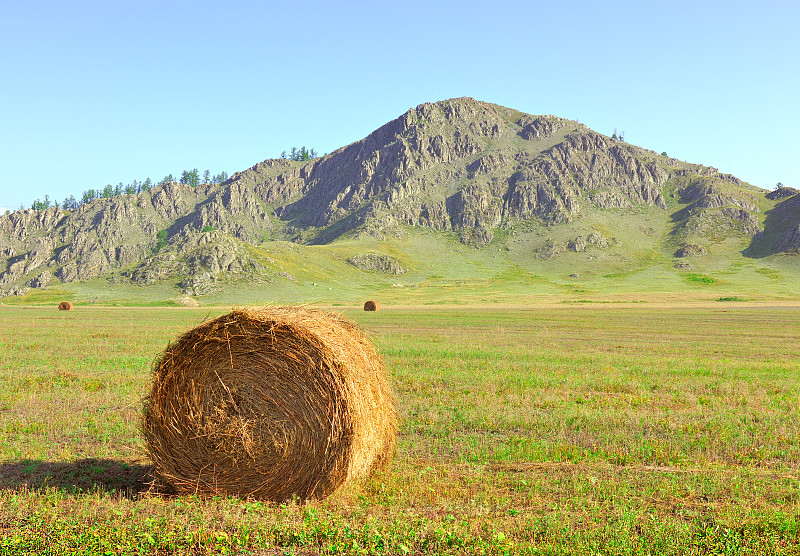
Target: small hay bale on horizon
[[269, 405], [372, 305], [65, 306]]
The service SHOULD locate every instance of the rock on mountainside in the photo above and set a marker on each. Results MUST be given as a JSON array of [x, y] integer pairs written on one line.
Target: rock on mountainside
[[788, 214], [377, 262], [460, 166]]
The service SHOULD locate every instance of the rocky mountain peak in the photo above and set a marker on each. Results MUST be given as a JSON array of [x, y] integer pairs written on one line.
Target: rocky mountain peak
[[460, 165]]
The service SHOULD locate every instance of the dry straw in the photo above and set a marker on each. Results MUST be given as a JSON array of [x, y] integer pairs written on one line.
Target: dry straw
[[65, 306], [269, 404], [372, 306]]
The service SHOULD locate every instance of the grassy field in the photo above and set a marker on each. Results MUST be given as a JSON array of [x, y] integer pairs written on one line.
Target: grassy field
[[571, 428], [442, 271]]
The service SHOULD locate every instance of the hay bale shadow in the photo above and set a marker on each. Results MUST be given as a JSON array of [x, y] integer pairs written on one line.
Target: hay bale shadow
[[85, 475]]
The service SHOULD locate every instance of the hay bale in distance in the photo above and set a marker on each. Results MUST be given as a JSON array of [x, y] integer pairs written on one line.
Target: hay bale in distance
[[269, 404], [372, 305], [65, 306]]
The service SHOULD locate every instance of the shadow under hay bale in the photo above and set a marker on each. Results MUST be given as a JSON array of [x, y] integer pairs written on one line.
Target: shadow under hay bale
[[65, 306], [269, 404], [123, 479], [372, 306]]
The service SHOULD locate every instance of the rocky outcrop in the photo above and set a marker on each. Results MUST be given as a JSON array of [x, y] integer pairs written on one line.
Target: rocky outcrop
[[377, 262], [475, 209], [21, 225], [536, 193], [786, 216], [534, 127], [711, 193], [200, 264], [41, 280], [691, 250], [790, 241], [716, 225], [549, 250], [582, 243], [716, 209], [781, 193], [487, 164]]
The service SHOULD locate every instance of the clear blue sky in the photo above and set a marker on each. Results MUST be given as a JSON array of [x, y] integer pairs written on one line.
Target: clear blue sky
[[105, 92]]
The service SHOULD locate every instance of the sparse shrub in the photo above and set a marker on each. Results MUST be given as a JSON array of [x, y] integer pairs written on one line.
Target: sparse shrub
[[207, 228], [701, 279], [161, 240]]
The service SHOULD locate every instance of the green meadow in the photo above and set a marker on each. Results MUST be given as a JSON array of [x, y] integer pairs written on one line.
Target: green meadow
[[439, 270], [571, 427]]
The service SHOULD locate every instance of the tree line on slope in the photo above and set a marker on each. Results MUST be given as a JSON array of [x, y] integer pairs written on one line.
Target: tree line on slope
[[189, 177], [301, 154]]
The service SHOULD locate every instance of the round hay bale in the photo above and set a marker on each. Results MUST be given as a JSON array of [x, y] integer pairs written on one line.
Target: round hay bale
[[65, 306], [372, 305], [269, 404]]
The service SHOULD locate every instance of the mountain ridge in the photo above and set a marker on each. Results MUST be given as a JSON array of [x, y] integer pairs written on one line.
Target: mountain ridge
[[460, 166]]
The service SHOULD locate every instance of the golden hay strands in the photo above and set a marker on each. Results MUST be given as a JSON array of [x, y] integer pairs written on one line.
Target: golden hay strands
[[65, 306], [269, 404], [372, 305]]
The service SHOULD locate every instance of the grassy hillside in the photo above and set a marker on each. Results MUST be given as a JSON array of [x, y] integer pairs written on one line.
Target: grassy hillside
[[638, 263]]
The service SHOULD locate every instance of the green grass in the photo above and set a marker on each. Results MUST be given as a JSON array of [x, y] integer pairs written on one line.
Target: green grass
[[553, 429], [444, 272], [700, 278]]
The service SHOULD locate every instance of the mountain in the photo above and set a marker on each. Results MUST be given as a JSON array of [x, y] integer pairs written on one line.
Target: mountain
[[487, 174]]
